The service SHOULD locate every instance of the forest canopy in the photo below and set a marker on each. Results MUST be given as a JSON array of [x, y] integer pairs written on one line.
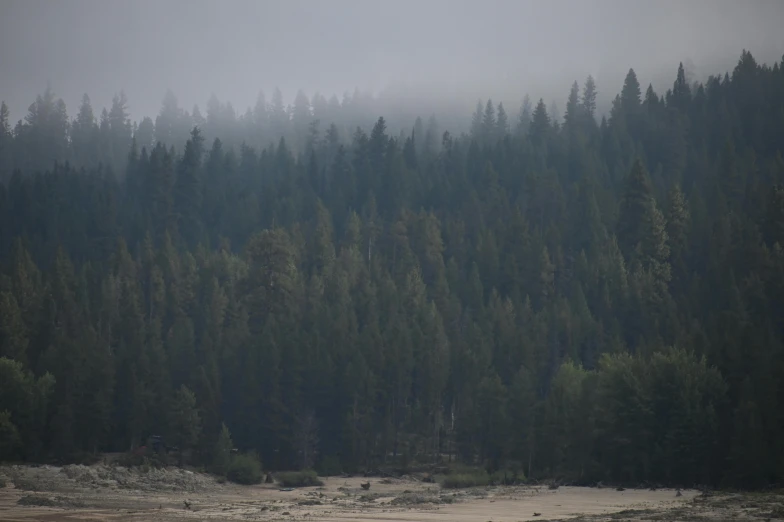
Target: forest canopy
[[587, 298]]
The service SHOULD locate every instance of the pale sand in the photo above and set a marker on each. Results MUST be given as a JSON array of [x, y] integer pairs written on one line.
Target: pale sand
[[340, 499]]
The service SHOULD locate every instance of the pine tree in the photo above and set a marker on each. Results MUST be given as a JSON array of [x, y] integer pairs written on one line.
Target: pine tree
[[589, 97], [44, 134], [572, 115], [144, 134], [489, 123], [681, 92], [279, 120], [635, 210], [172, 124], [540, 123], [84, 135], [13, 331], [120, 130], [221, 457], [270, 284], [546, 276], [159, 185], [324, 252], [641, 229], [630, 94], [476, 122], [188, 188], [502, 122], [524, 117], [493, 421], [678, 222], [185, 421], [555, 115], [651, 102]]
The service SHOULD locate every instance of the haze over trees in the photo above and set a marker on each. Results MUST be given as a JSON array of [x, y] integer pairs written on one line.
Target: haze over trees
[[581, 299]]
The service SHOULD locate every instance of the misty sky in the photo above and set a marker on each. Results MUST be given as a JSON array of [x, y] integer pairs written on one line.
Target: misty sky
[[459, 48]]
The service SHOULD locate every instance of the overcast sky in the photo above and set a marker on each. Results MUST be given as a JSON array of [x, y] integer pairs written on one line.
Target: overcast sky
[[458, 48]]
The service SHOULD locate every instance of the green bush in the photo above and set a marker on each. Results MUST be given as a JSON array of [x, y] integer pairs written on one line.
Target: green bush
[[299, 479], [146, 460], [507, 477], [26, 484], [245, 468], [467, 479], [36, 500], [221, 457], [330, 466]]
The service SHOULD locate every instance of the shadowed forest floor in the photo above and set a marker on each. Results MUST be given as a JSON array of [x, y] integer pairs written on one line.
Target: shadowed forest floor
[[73, 493]]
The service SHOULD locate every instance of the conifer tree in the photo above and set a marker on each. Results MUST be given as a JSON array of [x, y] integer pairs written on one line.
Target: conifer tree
[[540, 123], [589, 97], [502, 122]]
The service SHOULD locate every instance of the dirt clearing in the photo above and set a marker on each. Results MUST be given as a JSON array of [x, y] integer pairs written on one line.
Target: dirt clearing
[[75, 493]]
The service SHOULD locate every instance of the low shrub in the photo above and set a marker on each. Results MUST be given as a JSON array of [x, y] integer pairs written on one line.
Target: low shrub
[[43, 501], [36, 500], [26, 484], [245, 468], [507, 477], [465, 479], [413, 499], [299, 479]]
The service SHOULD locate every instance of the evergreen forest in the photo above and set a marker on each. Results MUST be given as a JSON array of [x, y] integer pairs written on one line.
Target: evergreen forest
[[584, 297]]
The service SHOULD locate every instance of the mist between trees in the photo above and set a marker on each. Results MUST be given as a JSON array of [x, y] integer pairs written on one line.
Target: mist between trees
[[575, 299]]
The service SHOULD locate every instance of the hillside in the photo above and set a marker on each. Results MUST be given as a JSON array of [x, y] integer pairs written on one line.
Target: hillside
[[581, 299]]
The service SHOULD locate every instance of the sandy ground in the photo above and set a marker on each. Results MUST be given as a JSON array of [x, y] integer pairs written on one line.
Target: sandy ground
[[78, 493]]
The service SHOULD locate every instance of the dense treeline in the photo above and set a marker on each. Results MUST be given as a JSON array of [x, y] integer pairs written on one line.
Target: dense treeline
[[590, 301], [89, 140]]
